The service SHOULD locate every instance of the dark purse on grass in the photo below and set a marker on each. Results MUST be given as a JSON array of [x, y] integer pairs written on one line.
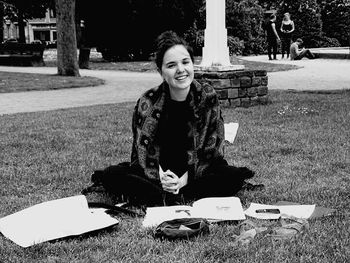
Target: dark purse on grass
[[182, 228]]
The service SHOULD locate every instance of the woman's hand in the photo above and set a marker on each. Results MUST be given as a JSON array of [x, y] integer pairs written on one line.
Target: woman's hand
[[170, 182]]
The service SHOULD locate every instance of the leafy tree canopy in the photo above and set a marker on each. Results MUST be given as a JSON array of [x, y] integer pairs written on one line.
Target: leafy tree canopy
[[28, 8]]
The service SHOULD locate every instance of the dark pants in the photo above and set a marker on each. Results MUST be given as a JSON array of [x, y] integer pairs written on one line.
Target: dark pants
[[123, 180], [305, 53], [286, 46], [272, 47]]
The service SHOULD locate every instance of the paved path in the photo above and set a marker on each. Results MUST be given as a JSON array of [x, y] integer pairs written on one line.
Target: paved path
[[317, 74], [120, 86], [124, 86]]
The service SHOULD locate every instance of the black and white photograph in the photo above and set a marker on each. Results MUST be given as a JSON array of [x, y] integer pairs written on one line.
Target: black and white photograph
[[182, 131]]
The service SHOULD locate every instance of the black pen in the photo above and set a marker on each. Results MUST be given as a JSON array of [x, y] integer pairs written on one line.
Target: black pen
[[268, 211]]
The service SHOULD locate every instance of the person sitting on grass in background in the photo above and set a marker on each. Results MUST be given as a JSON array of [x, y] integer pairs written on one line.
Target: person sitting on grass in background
[[297, 53], [178, 138]]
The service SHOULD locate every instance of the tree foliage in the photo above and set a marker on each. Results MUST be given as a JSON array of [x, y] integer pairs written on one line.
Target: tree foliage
[[306, 15], [336, 19], [29, 8], [243, 20], [129, 30]]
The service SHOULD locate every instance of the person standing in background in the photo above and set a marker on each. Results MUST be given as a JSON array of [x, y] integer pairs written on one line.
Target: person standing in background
[[287, 29], [272, 37]]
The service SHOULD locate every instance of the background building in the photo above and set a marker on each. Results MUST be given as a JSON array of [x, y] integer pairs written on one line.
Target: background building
[[43, 29]]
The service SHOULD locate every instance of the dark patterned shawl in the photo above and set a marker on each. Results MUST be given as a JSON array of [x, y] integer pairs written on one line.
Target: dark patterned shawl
[[206, 129]]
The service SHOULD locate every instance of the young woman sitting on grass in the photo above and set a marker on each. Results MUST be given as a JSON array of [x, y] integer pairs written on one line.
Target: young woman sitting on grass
[[178, 137]]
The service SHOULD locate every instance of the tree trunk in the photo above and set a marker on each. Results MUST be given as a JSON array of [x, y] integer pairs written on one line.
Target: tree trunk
[[21, 27], [1, 22], [67, 61]]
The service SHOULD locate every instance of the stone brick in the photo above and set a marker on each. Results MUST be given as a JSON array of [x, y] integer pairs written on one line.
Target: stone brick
[[222, 93], [264, 81], [256, 81], [198, 75], [254, 101], [217, 74], [235, 102], [233, 93], [245, 102], [202, 81], [210, 75], [242, 92], [235, 83], [226, 75], [252, 91], [262, 90], [225, 103], [246, 82], [220, 83], [260, 73], [244, 73], [263, 99]]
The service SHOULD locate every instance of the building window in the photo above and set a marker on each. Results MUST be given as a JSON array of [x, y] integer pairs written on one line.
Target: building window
[[42, 35], [52, 13]]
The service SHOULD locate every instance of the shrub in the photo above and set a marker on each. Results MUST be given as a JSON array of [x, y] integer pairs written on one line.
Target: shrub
[[195, 38], [306, 15], [336, 20], [235, 45], [255, 46], [244, 19], [325, 41]]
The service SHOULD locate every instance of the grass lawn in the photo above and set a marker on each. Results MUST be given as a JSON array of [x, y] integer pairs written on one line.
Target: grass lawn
[[17, 82], [298, 144]]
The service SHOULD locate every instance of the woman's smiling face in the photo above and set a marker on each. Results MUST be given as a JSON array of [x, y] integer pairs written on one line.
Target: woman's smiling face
[[177, 68]]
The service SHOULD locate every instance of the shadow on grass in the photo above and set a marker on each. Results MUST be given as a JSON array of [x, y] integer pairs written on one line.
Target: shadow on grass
[[321, 92], [18, 82]]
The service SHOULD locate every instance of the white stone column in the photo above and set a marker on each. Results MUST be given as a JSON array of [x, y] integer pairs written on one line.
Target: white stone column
[[216, 54]]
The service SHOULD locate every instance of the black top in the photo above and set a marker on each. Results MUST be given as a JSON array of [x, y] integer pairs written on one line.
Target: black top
[[269, 30], [174, 141], [287, 27]]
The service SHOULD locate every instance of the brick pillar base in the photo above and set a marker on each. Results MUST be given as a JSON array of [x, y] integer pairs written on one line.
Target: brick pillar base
[[242, 88]]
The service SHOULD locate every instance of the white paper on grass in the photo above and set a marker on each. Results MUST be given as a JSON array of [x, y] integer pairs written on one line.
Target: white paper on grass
[[231, 131], [298, 211], [54, 219], [211, 208]]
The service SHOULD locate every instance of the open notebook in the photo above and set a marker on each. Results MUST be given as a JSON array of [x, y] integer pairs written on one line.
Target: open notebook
[[55, 219], [211, 208]]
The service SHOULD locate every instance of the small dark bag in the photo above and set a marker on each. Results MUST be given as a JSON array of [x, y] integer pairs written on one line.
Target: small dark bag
[[182, 228]]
